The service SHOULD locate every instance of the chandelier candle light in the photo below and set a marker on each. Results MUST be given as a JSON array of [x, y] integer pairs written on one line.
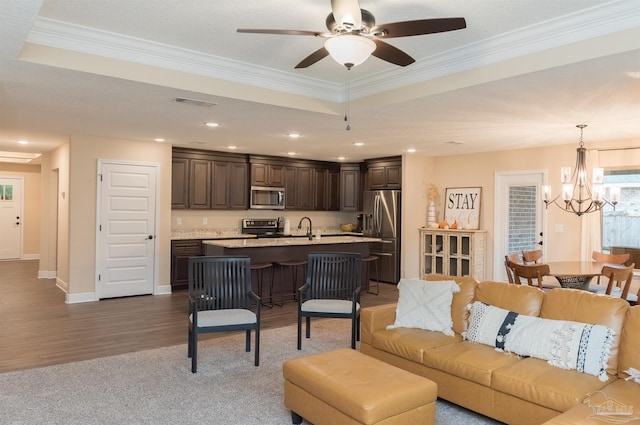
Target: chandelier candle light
[[579, 195]]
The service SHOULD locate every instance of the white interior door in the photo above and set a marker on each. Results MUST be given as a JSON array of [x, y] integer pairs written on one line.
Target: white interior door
[[126, 241], [10, 218], [519, 216]]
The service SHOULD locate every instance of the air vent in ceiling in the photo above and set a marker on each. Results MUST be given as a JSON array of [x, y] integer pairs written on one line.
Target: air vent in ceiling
[[194, 102]]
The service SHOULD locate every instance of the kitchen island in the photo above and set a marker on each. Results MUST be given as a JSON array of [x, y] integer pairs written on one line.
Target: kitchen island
[[287, 249]]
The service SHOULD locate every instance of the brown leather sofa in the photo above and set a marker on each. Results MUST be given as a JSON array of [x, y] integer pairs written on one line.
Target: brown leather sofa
[[509, 388]]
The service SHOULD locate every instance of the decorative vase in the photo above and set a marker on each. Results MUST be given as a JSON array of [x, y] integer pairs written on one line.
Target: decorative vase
[[431, 214]]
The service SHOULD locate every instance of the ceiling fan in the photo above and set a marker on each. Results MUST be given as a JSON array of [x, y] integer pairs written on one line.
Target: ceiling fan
[[353, 35]]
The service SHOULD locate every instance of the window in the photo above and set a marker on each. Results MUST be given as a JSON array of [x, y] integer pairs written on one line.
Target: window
[[621, 228]]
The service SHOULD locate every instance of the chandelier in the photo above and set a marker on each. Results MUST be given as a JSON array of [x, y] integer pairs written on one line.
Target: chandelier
[[581, 196]]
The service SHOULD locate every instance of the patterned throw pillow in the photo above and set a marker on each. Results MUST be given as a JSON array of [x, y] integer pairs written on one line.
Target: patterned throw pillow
[[568, 345], [425, 305]]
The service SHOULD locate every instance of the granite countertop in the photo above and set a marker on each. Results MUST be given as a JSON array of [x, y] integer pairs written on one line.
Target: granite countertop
[[293, 241], [213, 234]]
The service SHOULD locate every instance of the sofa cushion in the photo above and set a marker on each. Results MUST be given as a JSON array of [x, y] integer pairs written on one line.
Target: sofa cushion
[[617, 403], [468, 360], [409, 343], [630, 344], [425, 305], [537, 382], [459, 312], [586, 307], [522, 299]]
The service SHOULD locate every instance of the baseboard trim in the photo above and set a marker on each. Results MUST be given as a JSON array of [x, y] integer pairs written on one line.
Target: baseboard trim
[[81, 298], [44, 274], [162, 290]]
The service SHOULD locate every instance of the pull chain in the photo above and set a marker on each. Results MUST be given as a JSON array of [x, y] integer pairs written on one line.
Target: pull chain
[[346, 114]]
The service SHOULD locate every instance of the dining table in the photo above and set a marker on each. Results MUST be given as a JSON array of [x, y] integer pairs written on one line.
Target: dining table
[[575, 274]]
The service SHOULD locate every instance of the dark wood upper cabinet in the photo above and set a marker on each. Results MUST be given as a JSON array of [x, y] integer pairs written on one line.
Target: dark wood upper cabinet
[[179, 183], [350, 187], [305, 192], [264, 174], [384, 173], [238, 188], [290, 187], [199, 184], [333, 190], [208, 180]]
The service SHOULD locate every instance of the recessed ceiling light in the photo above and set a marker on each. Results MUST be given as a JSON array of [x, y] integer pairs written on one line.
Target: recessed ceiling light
[[633, 74], [410, 150], [211, 124], [453, 142], [294, 135], [232, 147], [160, 139], [23, 142], [197, 142], [358, 144], [291, 153], [341, 158]]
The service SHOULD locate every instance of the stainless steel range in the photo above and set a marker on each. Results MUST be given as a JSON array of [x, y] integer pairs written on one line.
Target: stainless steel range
[[262, 227]]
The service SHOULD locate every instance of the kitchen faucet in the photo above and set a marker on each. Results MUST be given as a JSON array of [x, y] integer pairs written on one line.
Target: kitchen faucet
[[309, 229]]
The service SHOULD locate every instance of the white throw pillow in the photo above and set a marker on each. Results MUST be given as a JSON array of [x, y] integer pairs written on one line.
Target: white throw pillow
[[425, 305], [568, 345]]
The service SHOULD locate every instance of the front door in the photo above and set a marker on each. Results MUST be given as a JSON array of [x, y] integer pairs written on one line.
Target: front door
[[11, 218], [125, 262], [519, 214]]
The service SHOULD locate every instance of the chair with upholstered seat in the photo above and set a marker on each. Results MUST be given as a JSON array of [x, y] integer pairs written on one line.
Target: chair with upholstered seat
[[532, 257], [531, 274], [619, 282], [601, 257], [332, 289], [221, 300]]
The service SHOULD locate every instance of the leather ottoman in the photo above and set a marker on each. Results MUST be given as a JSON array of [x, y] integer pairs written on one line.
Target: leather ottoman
[[347, 387]]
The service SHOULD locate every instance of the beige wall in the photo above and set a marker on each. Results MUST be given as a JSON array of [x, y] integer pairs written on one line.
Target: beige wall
[[32, 197], [84, 154], [479, 170]]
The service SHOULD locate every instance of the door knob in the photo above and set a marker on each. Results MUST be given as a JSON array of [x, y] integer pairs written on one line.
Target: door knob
[[150, 237]]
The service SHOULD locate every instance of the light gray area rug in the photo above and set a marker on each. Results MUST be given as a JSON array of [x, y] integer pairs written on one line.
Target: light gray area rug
[[157, 386]]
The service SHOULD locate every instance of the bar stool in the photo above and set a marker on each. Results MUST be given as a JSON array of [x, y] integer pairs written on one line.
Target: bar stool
[[294, 266], [366, 261], [259, 269]]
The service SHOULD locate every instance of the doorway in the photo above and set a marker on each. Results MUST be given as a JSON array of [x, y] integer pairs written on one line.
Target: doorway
[[11, 204], [519, 216], [126, 230]]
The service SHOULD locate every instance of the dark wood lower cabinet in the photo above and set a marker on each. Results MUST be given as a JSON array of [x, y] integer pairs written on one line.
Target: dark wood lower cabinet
[[181, 250]]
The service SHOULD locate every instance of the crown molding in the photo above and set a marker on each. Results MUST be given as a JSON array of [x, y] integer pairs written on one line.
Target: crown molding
[[585, 24]]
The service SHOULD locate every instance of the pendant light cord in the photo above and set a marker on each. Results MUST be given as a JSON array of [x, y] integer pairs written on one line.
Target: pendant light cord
[[346, 113]]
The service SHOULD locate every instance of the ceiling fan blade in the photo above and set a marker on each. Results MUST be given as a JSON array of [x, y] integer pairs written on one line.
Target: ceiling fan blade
[[418, 27], [285, 32], [314, 57], [347, 13], [389, 53]]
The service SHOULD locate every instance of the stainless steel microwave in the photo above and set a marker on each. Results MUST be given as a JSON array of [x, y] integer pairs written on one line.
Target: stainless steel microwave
[[267, 198]]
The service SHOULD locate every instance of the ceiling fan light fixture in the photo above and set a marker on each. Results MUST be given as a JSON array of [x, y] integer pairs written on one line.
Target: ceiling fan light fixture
[[349, 49]]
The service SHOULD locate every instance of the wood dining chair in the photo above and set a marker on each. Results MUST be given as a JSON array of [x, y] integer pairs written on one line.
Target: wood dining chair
[[601, 257], [620, 282], [514, 258], [532, 257], [531, 274]]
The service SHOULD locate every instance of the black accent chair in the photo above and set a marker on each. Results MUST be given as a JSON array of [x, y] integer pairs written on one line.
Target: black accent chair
[[221, 300], [332, 289]]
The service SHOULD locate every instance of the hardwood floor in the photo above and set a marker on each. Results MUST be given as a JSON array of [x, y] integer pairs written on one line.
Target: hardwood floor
[[38, 329]]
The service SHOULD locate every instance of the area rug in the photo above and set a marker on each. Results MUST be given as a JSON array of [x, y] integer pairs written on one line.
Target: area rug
[[157, 386]]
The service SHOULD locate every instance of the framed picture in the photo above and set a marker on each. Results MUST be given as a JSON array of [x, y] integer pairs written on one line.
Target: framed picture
[[462, 206]]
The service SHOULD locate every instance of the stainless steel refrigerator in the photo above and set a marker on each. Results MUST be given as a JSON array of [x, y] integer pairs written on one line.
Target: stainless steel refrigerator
[[381, 219]]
